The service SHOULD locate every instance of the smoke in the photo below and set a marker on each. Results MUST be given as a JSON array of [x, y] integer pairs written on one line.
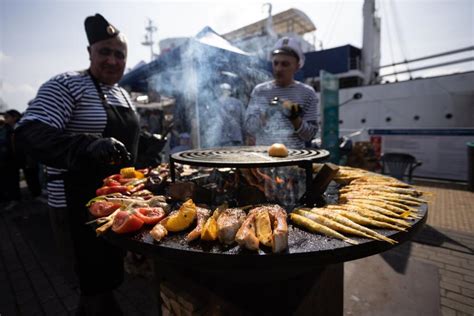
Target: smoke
[[192, 74]]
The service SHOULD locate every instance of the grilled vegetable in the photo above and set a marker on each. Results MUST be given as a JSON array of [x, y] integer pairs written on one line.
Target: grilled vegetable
[[181, 219], [209, 230], [126, 222], [150, 215], [103, 208]]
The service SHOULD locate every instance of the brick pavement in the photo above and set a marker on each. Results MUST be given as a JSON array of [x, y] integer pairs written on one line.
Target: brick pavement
[[31, 280], [31, 284], [447, 242], [451, 206]]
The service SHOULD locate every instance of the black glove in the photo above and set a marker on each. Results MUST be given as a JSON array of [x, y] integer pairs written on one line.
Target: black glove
[[108, 151], [293, 111]]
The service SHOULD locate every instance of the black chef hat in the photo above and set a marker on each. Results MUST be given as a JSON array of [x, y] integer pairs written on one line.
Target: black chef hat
[[99, 29]]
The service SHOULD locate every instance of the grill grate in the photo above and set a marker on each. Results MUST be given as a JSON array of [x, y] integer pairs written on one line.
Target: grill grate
[[247, 157]]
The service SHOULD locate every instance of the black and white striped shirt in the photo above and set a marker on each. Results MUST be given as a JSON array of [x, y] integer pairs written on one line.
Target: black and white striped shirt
[[277, 128], [70, 102]]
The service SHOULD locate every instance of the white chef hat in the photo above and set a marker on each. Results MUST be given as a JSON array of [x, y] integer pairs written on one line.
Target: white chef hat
[[289, 46], [225, 86]]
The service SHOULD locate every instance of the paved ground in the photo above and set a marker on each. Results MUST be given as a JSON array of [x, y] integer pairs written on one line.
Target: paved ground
[[31, 282]]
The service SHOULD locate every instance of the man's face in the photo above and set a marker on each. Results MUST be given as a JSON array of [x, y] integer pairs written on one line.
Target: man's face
[[284, 69], [108, 59], [10, 120]]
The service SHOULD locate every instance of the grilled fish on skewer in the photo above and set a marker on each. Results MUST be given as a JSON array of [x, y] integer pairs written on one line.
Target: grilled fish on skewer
[[202, 214], [381, 188], [318, 228], [245, 236], [373, 215], [372, 194], [345, 221], [335, 225], [228, 224], [403, 197], [359, 219], [347, 197], [380, 181], [379, 209], [391, 206]]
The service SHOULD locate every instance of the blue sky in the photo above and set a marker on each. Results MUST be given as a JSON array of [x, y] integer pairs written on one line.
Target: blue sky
[[39, 39]]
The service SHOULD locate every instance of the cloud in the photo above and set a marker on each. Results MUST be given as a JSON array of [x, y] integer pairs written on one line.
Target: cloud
[[9, 88], [4, 58], [17, 96]]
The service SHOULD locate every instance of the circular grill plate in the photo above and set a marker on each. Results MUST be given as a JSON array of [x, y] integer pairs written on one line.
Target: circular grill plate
[[250, 156]]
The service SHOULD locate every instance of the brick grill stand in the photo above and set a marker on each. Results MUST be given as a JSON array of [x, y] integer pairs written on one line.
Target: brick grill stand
[[186, 291]]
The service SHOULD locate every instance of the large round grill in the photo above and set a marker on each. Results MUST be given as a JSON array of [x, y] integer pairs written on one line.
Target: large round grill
[[247, 157]]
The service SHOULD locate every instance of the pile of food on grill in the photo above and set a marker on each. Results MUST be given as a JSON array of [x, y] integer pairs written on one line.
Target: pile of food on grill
[[134, 199]]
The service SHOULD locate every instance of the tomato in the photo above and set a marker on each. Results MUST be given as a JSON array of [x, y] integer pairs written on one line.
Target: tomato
[[126, 222], [111, 183], [108, 190], [150, 215], [103, 208], [118, 178]]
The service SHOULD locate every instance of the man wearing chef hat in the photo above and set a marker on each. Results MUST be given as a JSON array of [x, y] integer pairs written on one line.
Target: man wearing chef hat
[[283, 110], [83, 126]]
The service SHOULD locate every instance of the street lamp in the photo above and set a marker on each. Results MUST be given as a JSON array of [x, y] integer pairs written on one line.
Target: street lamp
[[356, 96]]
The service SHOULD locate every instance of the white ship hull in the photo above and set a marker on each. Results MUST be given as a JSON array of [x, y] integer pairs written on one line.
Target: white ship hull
[[438, 102], [431, 118]]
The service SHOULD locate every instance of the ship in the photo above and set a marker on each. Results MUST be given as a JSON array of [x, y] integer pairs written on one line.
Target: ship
[[431, 118]]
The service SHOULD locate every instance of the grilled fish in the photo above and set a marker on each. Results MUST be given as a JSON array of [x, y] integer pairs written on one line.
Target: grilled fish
[[362, 220], [332, 224], [245, 236], [158, 232], [202, 215], [263, 226], [346, 221], [228, 224], [280, 228], [318, 228]]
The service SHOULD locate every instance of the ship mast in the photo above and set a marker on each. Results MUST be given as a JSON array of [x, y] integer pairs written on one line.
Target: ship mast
[[150, 29], [370, 43]]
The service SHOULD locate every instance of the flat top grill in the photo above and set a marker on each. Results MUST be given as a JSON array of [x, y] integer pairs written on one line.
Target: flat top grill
[[305, 248], [247, 157]]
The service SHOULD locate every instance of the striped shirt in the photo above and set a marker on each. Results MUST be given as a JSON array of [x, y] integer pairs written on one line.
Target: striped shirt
[[276, 127], [70, 102]]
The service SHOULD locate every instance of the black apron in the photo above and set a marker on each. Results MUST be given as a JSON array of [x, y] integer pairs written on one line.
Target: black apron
[[98, 264]]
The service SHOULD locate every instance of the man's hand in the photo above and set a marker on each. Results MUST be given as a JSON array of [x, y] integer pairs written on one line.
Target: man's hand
[[108, 151]]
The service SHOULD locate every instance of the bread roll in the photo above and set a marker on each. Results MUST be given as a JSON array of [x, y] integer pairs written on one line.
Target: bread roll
[[278, 150]]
